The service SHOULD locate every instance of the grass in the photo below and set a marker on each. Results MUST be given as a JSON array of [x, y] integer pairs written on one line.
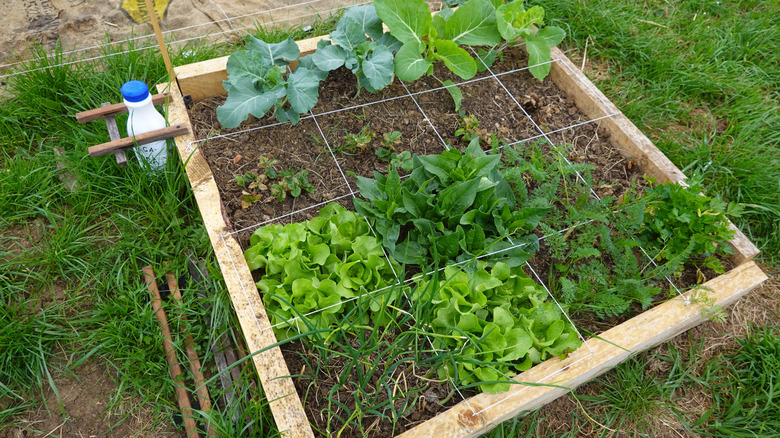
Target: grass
[[700, 79], [91, 243]]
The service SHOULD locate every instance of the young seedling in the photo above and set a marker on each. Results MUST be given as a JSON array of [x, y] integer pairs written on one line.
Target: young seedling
[[391, 139], [292, 183], [357, 142]]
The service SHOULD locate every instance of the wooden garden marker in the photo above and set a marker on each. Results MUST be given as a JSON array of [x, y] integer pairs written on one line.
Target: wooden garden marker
[[160, 40]]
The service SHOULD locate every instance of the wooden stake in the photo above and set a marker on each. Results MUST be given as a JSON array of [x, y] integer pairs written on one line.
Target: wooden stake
[[160, 40], [170, 354], [192, 356]]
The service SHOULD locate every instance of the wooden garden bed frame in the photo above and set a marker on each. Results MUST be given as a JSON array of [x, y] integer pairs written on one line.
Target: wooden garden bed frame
[[204, 79]]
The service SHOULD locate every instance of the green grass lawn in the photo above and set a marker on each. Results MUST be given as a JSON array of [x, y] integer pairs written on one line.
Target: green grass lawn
[[701, 79]]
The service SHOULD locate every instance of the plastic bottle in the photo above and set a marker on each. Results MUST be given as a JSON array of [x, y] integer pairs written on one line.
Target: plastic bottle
[[143, 117]]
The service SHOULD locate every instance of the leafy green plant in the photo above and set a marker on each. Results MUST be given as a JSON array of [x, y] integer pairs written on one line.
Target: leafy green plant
[[390, 140], [402, 160], [453, 206], [317, 265], [515, 24], [680, 221], [357, 142], [257, 81], [496, 321], [292, 183], [362, 46], [428, 39]]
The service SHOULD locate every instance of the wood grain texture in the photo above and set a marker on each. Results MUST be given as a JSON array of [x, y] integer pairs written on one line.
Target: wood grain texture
[[114, 109], [628, 138], [616, 345], [271, 368], [113, 134], [128, 142]]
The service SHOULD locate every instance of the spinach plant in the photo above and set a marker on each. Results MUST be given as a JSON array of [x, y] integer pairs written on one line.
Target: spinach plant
[[496, 322], [318, 264], [453, 206], [362, 46], [258, 80]]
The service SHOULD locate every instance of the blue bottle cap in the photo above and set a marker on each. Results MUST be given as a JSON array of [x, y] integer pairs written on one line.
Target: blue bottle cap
[[134, 91]]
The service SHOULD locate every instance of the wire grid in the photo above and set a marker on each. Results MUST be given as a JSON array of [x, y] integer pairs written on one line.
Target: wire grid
[[235, 28], [399, 282], [579, 175]]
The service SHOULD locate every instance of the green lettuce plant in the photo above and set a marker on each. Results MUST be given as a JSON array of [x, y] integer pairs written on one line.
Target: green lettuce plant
[[317, 265], [496, 322], [453, 206]]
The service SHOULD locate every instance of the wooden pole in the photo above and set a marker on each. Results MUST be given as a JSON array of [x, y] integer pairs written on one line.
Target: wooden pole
[[170, 354], [192, 356], [160, 40]]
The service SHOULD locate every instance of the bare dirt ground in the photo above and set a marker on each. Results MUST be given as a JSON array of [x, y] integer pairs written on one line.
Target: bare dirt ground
[[84, 411], [81, 24]]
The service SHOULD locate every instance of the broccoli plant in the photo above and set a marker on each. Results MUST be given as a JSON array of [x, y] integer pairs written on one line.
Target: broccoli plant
[[361, 46], [258, 81]]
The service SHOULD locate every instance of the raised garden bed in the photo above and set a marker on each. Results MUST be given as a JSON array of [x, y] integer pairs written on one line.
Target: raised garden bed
[[565, 108]]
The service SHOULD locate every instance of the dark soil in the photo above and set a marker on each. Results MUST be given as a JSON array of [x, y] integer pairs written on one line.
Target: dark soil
[[518, 109]]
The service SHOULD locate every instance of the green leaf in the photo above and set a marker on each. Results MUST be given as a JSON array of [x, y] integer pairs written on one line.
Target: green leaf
[[244, 99], [389, 41], [409, 63], [455, 93], [329, 57], [473, 24], [348, 34], [272, 53], [247, 65], [302, 90], [410, 253], [307, 62], [456, 59], [366, 15], [408, 20], [513, 20], [552, 34], [538, 56], [378, 67], [458, 197]]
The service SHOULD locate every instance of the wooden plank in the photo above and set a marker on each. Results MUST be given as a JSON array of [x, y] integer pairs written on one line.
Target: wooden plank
[[113, 110], [128, 142], [204, 79], [113, 133], [627, 137], [271, 368], [616, 345]]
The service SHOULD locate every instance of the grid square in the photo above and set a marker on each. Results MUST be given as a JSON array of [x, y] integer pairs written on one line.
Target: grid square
[[402, 115]]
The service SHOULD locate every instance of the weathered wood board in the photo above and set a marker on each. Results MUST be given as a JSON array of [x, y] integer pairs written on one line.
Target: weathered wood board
[[204, 79]]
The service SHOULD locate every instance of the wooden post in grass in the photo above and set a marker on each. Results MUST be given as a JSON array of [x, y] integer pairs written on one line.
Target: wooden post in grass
[[170, 354], [192, 356]]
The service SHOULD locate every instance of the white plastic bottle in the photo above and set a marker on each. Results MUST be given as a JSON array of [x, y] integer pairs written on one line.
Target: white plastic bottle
[[143, 117]]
